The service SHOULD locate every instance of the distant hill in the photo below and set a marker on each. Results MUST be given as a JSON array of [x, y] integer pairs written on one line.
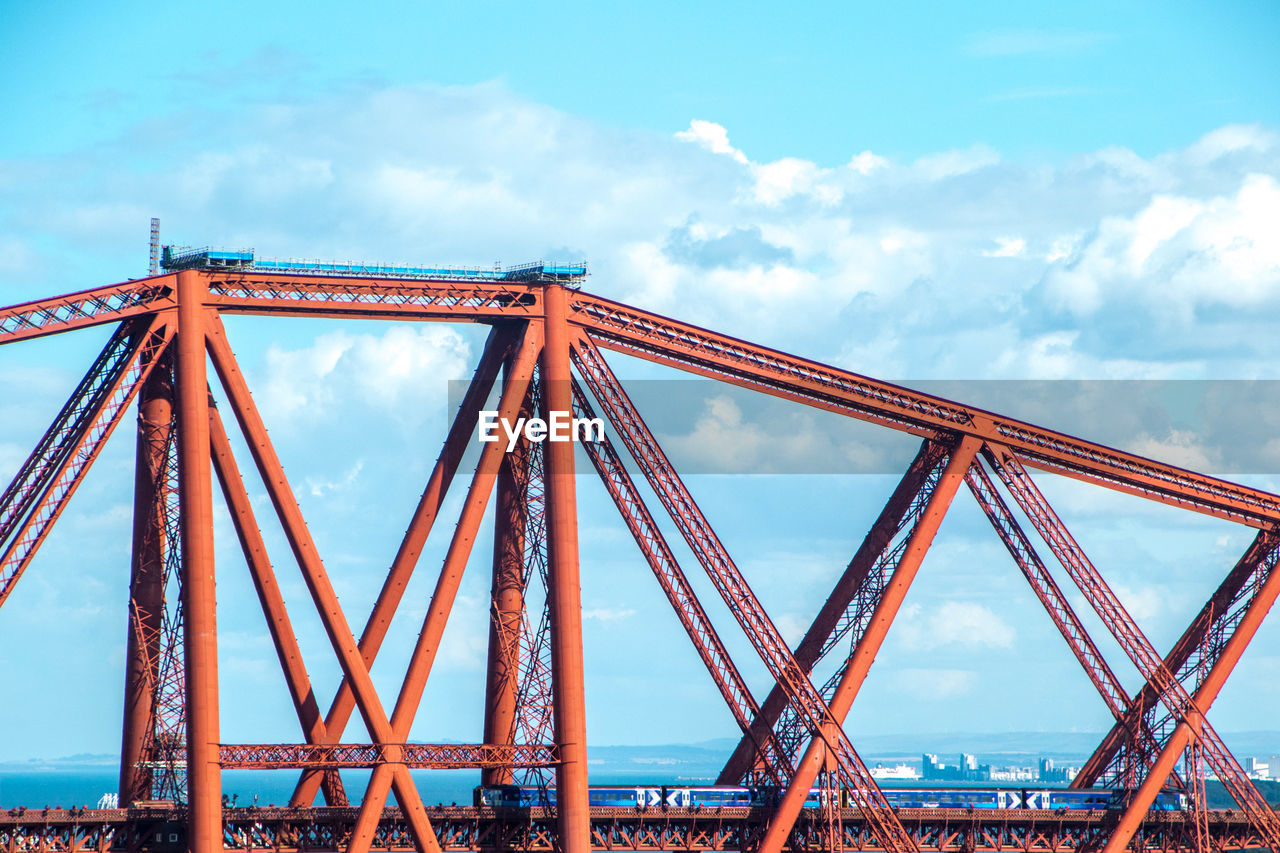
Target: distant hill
[[80, 759], [1220, 799], [702, 761]]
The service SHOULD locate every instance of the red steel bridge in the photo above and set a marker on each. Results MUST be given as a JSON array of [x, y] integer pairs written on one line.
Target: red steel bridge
[[546, 352]]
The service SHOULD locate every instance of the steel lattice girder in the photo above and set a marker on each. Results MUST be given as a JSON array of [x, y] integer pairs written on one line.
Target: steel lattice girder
[[45, 483], [736, 593], [199, 297], [439, 756], [468, 828], [657, 338], [679, 592], [1193, 655], [846, 610], [1144, 657]]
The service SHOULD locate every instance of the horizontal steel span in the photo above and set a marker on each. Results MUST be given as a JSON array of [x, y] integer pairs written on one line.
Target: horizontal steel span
[[624, 328], [468, 828], [436, 756], [542, 331]]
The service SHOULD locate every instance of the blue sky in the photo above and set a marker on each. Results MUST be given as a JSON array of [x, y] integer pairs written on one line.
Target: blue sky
[[910, 191]]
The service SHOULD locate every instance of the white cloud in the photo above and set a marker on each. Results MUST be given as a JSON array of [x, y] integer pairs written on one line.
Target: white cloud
[[1006, 247], [792, 627], [401, 374], [607, 614], [465, 643], [319, 488], [933, 684], [1179, 253], [1145, 604], [865, 163], [1232, 139], [723, 439], [790, 176], [894, 263], [950, 164], [963, 624], [1022, 42], [1178, 447], [712, 137]]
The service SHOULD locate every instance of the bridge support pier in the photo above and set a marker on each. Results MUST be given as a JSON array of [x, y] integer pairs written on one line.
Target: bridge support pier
[[146, 584], [568, 689], [200, 637], [506, 607]]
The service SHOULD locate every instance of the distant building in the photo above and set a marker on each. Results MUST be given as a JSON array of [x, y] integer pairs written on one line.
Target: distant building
[[898, 771], [968, 770], [1257, 769], [1013, 774], [1049, 773]]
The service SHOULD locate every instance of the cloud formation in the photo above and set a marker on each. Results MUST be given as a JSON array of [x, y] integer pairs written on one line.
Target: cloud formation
[[959, 263], [962, 624]]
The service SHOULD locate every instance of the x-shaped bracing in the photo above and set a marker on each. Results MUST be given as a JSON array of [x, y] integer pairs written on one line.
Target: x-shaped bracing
[[1042, 583], [552, 325]]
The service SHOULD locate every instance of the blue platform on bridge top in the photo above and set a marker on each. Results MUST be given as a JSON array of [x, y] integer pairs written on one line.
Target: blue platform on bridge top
[[182, 258]]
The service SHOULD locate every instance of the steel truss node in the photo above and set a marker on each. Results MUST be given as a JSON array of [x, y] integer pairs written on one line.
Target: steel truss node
[[545, 353]]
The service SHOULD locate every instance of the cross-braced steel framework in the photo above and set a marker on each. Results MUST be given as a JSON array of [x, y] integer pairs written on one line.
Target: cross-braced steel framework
[[545, 353]]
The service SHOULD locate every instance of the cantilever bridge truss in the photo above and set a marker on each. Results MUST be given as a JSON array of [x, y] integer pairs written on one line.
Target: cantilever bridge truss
[[546, 352]]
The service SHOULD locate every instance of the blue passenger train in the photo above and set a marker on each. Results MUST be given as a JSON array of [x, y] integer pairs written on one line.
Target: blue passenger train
[[724, 796]]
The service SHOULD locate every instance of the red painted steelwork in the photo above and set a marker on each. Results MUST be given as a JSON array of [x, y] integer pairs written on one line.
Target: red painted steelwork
[[146, 583], [535, 689], [200, 642], [354, 297], [288, 652], [534, 717], [506, 608], [564, 594], [1196, 650], [53, 471], [656, 338], [91, 307], [1139, 649], [849, 607], [679, 592], [317, 579], [434, 756], [735, 591], [1050, 595], [864, 654], [460, 431]]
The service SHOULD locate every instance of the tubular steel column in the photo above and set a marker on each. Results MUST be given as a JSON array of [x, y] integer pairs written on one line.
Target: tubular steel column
[[506, 610], [146, 584], [568, 688], [869, 646], [204, 780]]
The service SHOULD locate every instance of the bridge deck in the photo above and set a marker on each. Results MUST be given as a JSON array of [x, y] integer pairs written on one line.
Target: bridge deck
[[467, 828]]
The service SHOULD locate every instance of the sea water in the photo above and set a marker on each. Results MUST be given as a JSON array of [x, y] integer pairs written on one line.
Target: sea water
[[84, 786]]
